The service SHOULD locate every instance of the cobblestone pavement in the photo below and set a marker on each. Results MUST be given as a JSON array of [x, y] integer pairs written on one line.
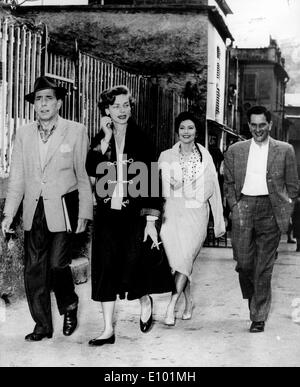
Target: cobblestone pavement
[[217, 335]]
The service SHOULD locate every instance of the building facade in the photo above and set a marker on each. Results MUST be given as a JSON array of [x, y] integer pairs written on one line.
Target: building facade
[[259, 77], [292, 123]]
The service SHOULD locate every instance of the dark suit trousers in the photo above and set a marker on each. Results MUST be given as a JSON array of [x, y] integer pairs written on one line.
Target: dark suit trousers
[[47, 259], [255, 239]]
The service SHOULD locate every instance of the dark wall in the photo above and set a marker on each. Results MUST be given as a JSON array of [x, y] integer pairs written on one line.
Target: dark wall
[[170, 46]]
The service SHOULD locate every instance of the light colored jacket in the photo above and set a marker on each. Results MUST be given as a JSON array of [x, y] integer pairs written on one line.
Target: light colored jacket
[[205, 188], [64, 171]]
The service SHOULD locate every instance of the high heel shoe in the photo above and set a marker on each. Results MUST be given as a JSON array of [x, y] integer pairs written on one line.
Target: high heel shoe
[[187, 314], [146, 326], [99, 342], [170, 321]]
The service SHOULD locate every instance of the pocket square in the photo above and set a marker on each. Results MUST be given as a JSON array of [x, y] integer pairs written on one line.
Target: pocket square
[[65, 148]]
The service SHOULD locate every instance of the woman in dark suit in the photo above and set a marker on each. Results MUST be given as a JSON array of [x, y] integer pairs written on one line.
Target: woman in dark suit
[[126, 214]]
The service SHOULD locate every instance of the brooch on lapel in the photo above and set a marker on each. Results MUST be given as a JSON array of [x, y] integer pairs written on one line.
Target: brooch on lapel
[[65, 148]]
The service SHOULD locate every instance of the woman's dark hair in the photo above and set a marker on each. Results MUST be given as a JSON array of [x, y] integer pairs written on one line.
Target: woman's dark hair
[[259, 110], [108, 97], [184, 116]]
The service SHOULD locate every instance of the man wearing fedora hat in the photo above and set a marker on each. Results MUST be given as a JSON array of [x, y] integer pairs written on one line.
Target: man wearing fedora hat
[[48, 162]]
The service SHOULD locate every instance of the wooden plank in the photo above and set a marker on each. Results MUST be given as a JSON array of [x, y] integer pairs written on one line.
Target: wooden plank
[[4, 43], [87, 99], [22, 76], [83, 97], [97, 87], [9, 106], [50, 64], [33, 71], [38, 56], [16, 81], [92, 97], [27, 72], [79, 80], [111, 71], [94, 103]]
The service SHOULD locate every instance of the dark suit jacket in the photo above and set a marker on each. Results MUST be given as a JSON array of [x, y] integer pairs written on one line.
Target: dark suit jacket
[[138, 151], [282, 177]]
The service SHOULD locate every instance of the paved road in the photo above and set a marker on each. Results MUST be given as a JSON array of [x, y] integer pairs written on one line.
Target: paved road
[[216, 336]]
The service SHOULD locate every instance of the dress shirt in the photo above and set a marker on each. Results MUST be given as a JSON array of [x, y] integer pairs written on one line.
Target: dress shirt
[[43, 149], [117, 197], [46, 131], [44, 138], [256, 174]]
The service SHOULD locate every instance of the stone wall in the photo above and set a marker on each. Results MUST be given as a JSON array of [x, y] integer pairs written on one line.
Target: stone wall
[[170, 46]]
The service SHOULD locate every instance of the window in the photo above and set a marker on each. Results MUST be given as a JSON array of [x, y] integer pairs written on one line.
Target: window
[[265, 85], [249, 86]]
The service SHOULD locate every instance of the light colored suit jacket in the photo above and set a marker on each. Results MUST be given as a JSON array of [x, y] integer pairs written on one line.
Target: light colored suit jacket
[[64, 171], [282, 177]]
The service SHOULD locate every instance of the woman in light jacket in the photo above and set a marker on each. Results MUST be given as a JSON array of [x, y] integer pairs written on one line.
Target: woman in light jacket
[[190, 183]]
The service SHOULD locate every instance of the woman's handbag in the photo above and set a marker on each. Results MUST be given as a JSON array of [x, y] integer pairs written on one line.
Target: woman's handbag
[[157, 271]]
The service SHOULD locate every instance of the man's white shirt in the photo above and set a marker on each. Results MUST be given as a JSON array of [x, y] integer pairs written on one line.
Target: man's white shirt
[[256, 174]]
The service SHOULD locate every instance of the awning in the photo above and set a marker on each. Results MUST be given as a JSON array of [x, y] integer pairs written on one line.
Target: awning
[[227, 129]]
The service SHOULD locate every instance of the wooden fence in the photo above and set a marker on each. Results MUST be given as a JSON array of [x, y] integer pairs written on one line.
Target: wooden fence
[[24, 56]]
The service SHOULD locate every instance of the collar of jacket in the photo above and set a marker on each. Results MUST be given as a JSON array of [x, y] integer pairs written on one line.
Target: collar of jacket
[[133, 141]]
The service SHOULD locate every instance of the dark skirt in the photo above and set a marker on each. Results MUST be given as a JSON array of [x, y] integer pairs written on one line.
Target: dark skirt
[[122, 263]]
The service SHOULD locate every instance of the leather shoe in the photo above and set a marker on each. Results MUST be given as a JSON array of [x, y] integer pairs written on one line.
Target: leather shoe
[[99, 342], [257, 326], [70, 322], [145, 326], [38, 336]]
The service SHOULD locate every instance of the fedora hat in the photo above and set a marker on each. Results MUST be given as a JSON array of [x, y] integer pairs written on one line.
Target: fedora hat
[[43, 83]]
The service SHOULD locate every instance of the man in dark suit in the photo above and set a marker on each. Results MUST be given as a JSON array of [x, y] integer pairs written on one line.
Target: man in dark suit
[[261, 184]]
